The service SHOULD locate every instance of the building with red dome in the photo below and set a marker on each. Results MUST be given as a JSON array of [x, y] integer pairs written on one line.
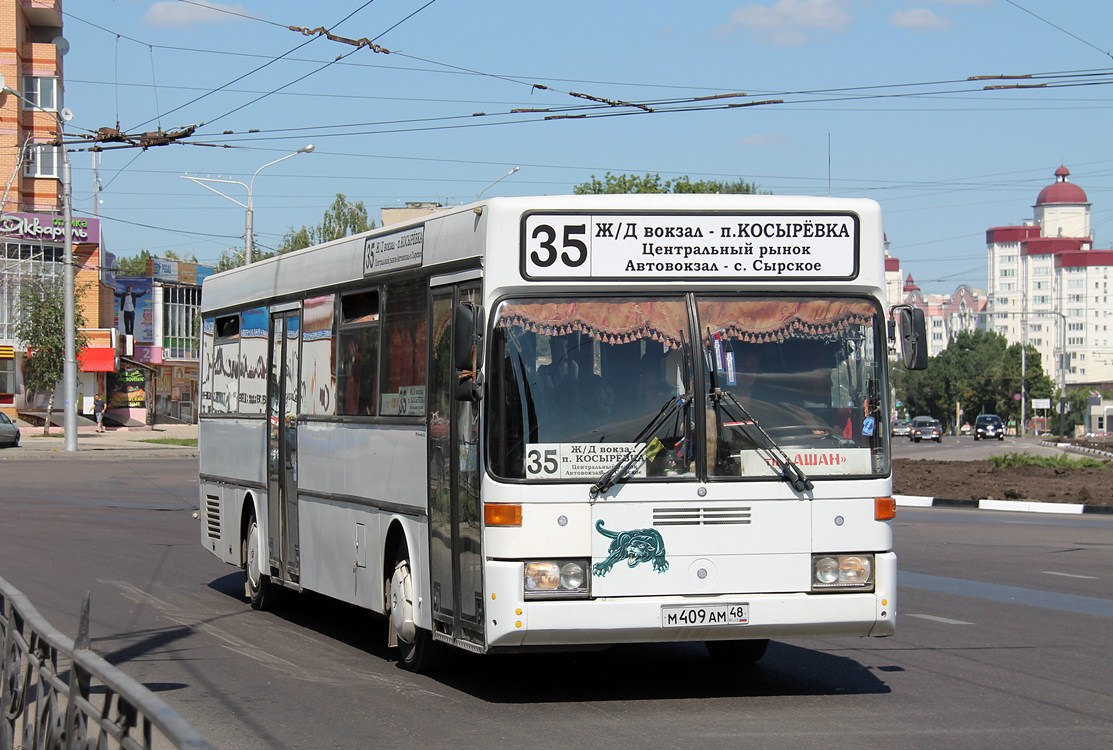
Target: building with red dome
[[1049, 287]]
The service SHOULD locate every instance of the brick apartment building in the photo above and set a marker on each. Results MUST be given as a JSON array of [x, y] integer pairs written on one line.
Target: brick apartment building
[[133, 368]]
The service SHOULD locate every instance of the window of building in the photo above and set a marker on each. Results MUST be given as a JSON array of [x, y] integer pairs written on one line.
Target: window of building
[[7, 375], [1041, 271], [1007, 273], [181, 329], [42, 161], [357, 376], [40, 92]]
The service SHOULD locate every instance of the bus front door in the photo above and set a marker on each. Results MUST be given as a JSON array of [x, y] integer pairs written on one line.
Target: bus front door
[[282, 445], [455, 513]]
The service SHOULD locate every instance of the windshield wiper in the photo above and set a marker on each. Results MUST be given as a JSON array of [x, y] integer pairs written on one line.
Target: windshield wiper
[[624, 465], [790, 472]]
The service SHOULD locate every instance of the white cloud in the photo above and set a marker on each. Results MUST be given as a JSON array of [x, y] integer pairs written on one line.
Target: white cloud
[[762, 139], [789, 23], [919, 18], [173, 13]]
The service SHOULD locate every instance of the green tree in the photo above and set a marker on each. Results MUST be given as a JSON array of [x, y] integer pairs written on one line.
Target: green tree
[[133, 266], [652, 183], [980, 371], [136, 265], [40, 328], [342, 219]]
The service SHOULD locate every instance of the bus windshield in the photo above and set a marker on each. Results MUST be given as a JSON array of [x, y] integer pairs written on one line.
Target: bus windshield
[[575, 385]]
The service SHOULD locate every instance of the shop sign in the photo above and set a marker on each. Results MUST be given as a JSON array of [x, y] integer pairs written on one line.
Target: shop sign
[[38, 227]]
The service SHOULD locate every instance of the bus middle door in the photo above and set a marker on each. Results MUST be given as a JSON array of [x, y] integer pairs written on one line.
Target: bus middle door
[[455, 513], [282, 444]]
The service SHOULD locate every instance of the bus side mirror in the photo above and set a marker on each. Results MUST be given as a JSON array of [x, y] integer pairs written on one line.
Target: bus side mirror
[[912, 333], [467, 350]]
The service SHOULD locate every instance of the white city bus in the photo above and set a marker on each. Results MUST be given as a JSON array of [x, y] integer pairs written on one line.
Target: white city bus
[[566, 421]]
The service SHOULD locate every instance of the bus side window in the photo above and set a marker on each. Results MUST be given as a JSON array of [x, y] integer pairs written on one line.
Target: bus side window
[[358, 361], [405, 329]]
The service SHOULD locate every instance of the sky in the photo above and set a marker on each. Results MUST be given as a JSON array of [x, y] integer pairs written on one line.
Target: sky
[[852, 98]]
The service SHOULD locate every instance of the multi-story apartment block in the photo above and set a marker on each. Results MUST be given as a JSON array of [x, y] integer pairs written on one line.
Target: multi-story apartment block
[[1049, 287], [947, 314], [141, 352]]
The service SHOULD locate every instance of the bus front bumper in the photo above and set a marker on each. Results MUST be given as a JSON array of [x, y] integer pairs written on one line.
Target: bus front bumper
[[514, 622]]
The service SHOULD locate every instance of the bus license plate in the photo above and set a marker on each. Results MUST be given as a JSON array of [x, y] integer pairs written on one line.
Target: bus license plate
[[684, 616]]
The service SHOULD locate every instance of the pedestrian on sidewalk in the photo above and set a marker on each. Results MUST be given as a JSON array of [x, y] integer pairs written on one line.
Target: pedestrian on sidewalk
[[98, 411]]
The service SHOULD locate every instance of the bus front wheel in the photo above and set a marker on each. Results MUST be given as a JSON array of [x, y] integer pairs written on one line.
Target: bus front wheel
[[257, 585], [738, 652], [417, 651]]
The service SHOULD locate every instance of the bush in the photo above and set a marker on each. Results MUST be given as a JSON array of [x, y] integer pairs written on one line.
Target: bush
[[1013, 460]]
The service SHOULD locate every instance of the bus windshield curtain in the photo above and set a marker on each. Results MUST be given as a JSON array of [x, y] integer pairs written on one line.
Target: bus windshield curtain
[[617, 321], [766, 320]]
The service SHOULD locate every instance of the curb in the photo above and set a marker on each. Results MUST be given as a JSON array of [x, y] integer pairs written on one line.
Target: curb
[[1016, 506], [1071, 448]]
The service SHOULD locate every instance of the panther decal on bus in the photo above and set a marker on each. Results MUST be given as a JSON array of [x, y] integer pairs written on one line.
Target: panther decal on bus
[[636, 547]]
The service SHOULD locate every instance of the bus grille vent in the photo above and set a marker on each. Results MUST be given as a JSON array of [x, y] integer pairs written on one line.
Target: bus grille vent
[[212, 516], [689, 516]]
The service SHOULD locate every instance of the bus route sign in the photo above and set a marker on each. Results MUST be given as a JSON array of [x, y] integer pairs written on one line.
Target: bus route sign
[[756, 246]]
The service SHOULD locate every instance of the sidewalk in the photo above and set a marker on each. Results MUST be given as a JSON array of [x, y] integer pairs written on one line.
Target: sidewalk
[[120, 442]]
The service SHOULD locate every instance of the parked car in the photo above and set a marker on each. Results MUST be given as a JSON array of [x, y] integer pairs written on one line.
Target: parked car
[[989, 426], [9, 431], [901, 428], [926, 428]]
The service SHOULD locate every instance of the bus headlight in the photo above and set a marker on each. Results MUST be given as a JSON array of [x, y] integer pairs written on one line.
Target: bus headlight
[[842, 572], [555, 579]]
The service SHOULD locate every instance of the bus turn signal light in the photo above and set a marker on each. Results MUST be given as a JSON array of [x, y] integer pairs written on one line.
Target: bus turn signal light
[[502, 514], [884, 508]]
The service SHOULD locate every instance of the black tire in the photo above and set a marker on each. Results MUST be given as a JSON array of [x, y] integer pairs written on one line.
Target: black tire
[[976, 437], [737, 652], [257, 586], [417, 651]]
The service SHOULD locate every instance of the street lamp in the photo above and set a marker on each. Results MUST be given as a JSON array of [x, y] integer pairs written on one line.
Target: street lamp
[[484, 190], [69, 357], [1059, 357], [249, 207]]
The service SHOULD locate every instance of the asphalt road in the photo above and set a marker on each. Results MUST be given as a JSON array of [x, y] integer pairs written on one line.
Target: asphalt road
[[1004, 640], [966, 448]]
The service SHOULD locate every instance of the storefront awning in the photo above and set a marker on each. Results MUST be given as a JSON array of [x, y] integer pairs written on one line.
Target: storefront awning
[[97, 359]]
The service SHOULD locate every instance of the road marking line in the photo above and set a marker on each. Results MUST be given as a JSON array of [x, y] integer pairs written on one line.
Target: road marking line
[[1069, 575], [944, 620]]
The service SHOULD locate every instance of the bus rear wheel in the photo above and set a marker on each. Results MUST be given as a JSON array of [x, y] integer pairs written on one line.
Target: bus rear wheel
[[737, 652], [257, 584], [417, 651]]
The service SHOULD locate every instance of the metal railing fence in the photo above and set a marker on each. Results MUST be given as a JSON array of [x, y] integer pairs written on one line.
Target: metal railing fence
[[57, 694]]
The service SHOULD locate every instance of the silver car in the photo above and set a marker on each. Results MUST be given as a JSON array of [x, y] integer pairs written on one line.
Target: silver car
[[901, 428], [9, 431]]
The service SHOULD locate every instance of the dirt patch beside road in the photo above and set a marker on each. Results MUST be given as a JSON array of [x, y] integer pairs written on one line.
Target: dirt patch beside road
[[977, 480]]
